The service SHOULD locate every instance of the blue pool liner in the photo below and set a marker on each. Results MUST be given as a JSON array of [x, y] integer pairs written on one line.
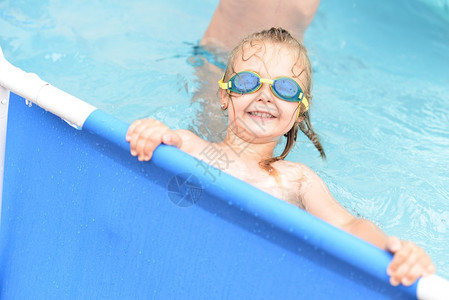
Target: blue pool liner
[[82, 218]]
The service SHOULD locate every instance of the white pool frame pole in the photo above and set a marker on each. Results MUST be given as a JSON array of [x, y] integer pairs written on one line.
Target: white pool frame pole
[[433, 287], [43, 94]]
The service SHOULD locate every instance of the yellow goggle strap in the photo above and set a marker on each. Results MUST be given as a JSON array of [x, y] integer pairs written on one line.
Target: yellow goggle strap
[[223, 85], [306, 105]]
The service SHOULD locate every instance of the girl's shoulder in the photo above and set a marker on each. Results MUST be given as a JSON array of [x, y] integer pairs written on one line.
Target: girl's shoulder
[[293, 167], [298, 173], [296, 180]]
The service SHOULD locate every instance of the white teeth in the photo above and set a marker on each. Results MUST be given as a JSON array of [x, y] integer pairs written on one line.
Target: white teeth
[[261, 114]]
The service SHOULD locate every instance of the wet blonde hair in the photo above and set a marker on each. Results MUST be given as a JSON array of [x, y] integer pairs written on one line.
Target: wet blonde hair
[[279, 36]]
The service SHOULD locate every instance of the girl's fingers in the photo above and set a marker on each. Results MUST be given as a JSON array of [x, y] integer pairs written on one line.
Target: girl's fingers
[[140, 148], [400, 256], [408, 264], [431, 269], [131, 129], [147, 141], [148, 149], [135, 138], [415, 272], [145, 135]]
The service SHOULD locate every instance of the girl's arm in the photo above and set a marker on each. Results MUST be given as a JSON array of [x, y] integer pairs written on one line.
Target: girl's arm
[[409, 261]]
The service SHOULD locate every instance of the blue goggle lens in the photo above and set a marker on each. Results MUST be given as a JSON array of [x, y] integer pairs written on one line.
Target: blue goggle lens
[[248, 82], [287, 88], [245, 82]]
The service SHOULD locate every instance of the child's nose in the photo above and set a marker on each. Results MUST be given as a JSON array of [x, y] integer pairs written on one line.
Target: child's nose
[[265, 93]]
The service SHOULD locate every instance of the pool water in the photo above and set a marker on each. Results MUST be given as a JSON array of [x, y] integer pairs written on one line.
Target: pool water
[[381, 90]]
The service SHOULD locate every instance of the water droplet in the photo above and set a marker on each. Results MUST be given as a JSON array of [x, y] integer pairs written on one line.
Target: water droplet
[[73, 125]]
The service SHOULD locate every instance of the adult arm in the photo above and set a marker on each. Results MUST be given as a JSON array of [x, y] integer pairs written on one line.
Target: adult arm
[[235, 19]]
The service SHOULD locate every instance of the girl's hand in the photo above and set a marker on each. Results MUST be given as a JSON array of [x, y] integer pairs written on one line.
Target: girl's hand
[[409, 262], [145, 135]]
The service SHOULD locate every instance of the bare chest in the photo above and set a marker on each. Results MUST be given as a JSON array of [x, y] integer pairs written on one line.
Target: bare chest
[[286, 185], [281, 186]]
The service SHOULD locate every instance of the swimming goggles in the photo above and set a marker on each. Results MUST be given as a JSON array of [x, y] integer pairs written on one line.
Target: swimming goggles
[[247, 82]]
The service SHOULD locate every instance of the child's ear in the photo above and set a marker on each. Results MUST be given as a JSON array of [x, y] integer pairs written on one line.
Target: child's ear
[[223, 95]]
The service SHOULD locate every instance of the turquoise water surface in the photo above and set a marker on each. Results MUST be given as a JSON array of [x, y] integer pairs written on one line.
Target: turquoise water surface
[[381, 90]]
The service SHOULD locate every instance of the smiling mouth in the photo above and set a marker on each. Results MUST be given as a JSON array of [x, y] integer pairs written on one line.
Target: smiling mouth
[[261, 115]]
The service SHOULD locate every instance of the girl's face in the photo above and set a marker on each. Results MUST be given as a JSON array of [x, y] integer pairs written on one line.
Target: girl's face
[[261, 117]]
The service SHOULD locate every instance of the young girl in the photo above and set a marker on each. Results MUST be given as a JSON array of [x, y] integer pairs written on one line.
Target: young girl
[[266, 91]]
